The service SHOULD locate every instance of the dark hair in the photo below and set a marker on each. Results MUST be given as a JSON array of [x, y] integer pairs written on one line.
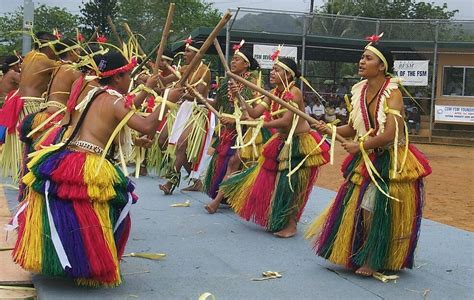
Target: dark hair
[[62, 45], [90, 48], [43, 37], [253, 63], [290, 64], [387, 54], [168, 53], [6, 64], [109, 61]]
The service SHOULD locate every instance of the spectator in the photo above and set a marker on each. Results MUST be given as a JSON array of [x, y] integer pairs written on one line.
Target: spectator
[[318, 111], [307, 108], [330, 114], [342, 115], [414, 119]]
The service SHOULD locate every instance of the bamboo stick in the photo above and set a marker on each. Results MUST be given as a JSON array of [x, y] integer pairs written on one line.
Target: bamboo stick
[[130, 35], [227, 69], [197, 58], [164, 37], [114, 31], [283, 103]]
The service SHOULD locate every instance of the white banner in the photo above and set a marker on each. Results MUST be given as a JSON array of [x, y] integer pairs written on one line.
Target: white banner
[[448, 113], [263, 53], [413, 72]]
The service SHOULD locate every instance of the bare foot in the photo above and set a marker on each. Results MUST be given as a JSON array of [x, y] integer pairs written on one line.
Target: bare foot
[[365, 270], [143, 171], [287, 232], [212, 207], [166, 188], [195, 187]]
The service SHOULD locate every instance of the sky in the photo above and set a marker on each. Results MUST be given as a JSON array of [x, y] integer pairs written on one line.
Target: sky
[[465, 7]]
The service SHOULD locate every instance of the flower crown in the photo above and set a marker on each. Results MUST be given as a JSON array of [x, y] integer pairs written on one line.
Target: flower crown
[[372, 40], [188, 42], [123, 69], [236, 49]]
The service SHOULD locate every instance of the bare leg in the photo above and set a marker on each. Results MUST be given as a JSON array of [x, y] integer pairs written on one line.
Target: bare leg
[[366, 270], [232, 166], [289, 230], [181, 161], [163, 138]]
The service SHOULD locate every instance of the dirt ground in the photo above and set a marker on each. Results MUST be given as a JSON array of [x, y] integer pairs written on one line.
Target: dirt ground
[[449, 189]]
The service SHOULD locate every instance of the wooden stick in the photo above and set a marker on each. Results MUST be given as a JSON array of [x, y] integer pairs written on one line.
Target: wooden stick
[[164, 38], [94, 35], [130, 35], [283, 103], [203, 100], [227, 69], [195, 92], [114, 31], [145, 60], [197, 58]]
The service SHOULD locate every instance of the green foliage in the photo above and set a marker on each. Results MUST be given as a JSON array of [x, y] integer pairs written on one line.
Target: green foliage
[[388, 9], [46, 18], [94, 14], [380, 9], [147, 17]]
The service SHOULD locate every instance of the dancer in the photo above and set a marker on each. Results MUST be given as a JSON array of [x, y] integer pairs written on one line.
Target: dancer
[[37, 67], [74, 221], [374, 221], [57, 94], [273, 193], [11, 77], [227, 160], [192, 129]]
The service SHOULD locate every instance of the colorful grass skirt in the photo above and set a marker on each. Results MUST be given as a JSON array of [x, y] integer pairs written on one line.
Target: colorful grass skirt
[[223, 152], [390, 242], [265, 194], [73, 223]]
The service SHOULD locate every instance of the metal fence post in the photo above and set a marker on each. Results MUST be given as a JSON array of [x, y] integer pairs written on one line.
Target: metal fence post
[[303, 51], [227, 41], [28, 18], [433, 80]]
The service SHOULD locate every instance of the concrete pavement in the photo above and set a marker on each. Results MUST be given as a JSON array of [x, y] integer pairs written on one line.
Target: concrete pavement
[[221, 253]]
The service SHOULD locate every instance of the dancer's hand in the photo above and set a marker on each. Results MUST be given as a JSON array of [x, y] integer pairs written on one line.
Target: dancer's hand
[[351, 147], [226, 120], [143, 142], [152, 81], [233, 87], [321, 127]]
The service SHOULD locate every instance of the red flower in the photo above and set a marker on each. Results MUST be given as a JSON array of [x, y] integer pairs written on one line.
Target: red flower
[[58, 35], [275, 55], [373, 38], [188, 41], [101, 38], [236, 47], [288, 96], [214, 86], [150, 103], [80, 38], [129, 100]]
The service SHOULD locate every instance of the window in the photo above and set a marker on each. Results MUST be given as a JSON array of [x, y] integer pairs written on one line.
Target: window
[[458, 81]]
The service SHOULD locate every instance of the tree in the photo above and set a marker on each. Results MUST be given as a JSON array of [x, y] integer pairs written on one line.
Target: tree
[[147, 17], [381, 9], [95, 12], [46, 18]]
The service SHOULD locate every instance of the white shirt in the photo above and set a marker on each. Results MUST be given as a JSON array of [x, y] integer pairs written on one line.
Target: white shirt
[[307, 109], [318, 109], [343, 111]]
